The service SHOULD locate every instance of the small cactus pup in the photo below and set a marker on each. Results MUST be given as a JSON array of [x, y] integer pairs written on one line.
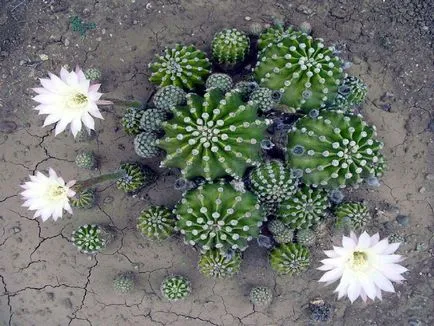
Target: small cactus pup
[[261, 296], [220, 81], [306, 237], [156, 222], [320, 311], [265, 98], [284, 236], [145, 145], [304, 209], [124, 282], [92, 238], [216, 216], [152, 119], [86, 160], [230, 47], [134, 177], [273, 34], [352, 215], [168, 97], [182, 66], [334, 150], [305, 71], [291, 258], [213, 136], [246, 88], [93, 74], [351, 93], [175, 288], [85, 135], [84, 198], [131, 120], [215, 264]]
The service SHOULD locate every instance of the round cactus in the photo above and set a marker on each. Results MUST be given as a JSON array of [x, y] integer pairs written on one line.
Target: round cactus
[[135, 177], [86, 160], [131, 120], [261, 296], [320, 311], [230, 46], [221, 81], [156, 222], [84, 198], [353, 215], [216, 264], [168, 97], [273, 35], [284, 236], [304, 209], [175, 288], [306, 237], [93, 74], [334, 150], [272, 182], [395, 238], [124, 282], [182, 66], [291, 258], [276, 226], [89, 239], [216, 216], [213, 136], [302, 69], [265, 98], [246, 88], [152, 119], [85, 135], [351, 92], [145, 145]]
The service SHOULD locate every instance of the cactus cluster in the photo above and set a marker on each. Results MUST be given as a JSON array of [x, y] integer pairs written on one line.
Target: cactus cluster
[[215, 264], [84, 198], [352, 215], [135, 177], [214, 136], [216, 216], [89, 239], [145, 145], [334, 150], [265, 98], [351, 92], [230, 46], [156, 222], [291, 258], [261, 296], [175, 288], [182, 66], [124, 282], [131, 120], [86, 160], [305, 71], [168, 97], [220, 81]]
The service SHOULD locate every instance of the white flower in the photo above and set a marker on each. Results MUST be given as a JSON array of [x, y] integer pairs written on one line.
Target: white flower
[[364, 265], [47, 195], [70, 99]]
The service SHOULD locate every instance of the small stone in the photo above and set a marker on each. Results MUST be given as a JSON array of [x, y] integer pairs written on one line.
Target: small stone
[[67, 303], [429, 177], [43, 57], [66, 42], [108, 200], [422, 190], [248, 18], [403, 220], [50, 296], [304, 10], [16, 229]]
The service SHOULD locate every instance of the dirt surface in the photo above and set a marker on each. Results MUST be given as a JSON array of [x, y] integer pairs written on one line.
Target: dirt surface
[[45, 281]]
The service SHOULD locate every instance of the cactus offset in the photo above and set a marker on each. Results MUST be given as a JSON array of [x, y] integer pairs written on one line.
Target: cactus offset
[[175, 288], [152, 119], [89, 239], [145, 145], [215, 264], [352, 215], [246, 88], [290, 259], [273, 35], [131, 120], [221, 81], [135, 177], [230, 47], [124, 282], [261, 296], [351, 92], [84, 199], [265, 98], [86, 160], [168, 97], [156, 222], [306, 237]]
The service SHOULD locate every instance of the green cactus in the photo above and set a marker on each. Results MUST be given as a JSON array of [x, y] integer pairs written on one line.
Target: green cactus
[[182, 66], [291, 258], [156, 222], [145, 145], [135, 177], [124, 282], [265, 98], [261, 296], [93, 74], [246, 88], [221, 81], [168, 97], [334, 150], [175, 288], [302, 69], [306, 237], [216, 216], [230, 46], [152, 119], [351, 92], [304, 209], [352, 215], [84, 135], [213, 136], [215, 264], [286, 236], [89, 239], [395, 238], [131, 120], [84, 199], [276, 226], [273, 35], [86, 160]]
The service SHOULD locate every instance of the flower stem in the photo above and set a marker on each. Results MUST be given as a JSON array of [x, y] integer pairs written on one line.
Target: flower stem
[[125, 103], [85, 184]]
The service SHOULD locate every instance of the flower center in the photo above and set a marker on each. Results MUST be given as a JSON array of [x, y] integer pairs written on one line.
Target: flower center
[[359, 260], [56, 192], [77, 100]]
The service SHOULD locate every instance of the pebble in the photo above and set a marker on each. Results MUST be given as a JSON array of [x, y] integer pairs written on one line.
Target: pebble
[[43, 57], [422, 190], [108, 200], [66, 42], [403, 220], [429, 177], [7, 126], [248, 18], [304, 9], [16, 229]]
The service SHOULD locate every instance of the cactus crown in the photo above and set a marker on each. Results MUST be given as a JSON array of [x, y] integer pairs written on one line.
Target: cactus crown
[[131, 120], [88, 239], [213, 136], [334, 149], [261, 296], [182, 66], [230, 46], [175, 288], [216, 216], [135, 177], [156, 222], [221, 81], [353, 215], [145, 145], [351, 92], [86, 160], [302, 69], [168, 97], [84, 198], [291, 258], [304, 209], [124, 282], [215, 264]]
